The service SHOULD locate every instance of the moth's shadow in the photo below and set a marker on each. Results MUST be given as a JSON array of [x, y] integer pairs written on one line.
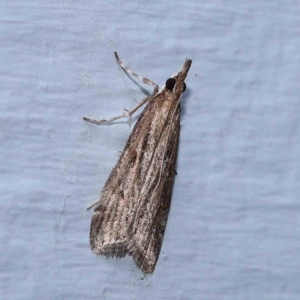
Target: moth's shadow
[[144, 90], [185, 96], [136, 114]]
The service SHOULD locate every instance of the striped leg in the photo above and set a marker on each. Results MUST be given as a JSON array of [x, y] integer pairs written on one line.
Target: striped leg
[[128, 113]]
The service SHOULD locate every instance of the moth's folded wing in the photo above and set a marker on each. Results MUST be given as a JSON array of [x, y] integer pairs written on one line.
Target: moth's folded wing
[[104, 236], [145, 244], [151, 217], [112, 216]]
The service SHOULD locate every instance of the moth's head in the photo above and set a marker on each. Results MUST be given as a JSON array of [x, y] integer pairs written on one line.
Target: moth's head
[[176, 82], [173, 84]]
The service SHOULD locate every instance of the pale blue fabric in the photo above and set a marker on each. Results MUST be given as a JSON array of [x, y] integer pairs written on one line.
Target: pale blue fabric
[[233, 230]]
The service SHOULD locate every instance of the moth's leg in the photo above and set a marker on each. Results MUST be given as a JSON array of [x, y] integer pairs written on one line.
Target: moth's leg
[[127, 70], [127, 114], [93, 204]]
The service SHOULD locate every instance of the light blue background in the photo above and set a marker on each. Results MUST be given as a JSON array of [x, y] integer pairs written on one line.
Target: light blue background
[[234, 225]]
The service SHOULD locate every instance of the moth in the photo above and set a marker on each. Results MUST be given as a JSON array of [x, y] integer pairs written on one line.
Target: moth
[[131, 215]]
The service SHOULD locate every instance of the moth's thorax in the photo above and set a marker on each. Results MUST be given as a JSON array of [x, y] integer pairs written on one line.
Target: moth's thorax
[[169, 95], [164, 101]]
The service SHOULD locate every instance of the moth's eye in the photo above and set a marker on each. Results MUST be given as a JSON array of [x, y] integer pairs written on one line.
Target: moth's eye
[[184, 87], [170, 83]]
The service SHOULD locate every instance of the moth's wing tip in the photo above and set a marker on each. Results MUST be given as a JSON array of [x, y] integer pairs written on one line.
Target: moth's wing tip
[[139, 256]]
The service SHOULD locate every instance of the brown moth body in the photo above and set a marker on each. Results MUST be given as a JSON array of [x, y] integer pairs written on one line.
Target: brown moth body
[[131, 215]]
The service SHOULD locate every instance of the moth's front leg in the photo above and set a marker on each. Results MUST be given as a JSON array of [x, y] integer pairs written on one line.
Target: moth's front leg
[[128, 114]]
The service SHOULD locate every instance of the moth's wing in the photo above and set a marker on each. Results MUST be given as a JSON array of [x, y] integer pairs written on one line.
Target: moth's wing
[[150, 220], [109, 230]]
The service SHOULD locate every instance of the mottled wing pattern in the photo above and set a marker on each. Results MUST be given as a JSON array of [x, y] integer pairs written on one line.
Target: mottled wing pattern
[[151, 218], [133, 209]]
